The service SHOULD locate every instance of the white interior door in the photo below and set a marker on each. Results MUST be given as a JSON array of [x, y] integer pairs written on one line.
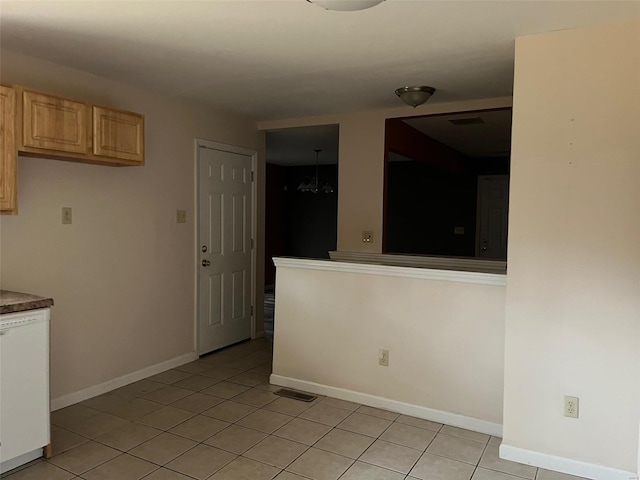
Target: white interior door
[[225, 252], [493, 216]]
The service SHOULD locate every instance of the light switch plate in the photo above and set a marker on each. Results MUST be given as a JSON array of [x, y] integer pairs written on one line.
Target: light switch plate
[[67, 217], [181, 216]]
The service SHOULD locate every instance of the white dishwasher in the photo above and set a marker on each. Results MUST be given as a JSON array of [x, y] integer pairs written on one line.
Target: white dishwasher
[[24, 387]]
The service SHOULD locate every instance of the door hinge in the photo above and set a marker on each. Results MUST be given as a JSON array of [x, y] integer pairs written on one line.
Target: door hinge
[[252, 243], [251, 309], [252, 176]]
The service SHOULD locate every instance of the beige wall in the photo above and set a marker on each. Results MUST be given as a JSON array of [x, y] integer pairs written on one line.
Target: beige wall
[[445, 354], [122, 275], [361, 164], [573, 295]]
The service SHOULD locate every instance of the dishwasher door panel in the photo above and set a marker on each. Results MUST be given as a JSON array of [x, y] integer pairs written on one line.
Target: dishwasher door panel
[[24, 383]]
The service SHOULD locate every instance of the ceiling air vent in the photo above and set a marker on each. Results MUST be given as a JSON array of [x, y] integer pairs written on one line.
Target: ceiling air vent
[[466, 121]]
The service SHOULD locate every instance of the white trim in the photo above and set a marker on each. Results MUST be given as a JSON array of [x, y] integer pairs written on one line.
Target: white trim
[[418, 411], [87, 393], [563, 465], [482, 265], [199, 142], [392, 271], [15, 462]]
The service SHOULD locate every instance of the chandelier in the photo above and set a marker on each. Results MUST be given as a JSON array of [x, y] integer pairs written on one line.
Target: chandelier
[[311, 184]]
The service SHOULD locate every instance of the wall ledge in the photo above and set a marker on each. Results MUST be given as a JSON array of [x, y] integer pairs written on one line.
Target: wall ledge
[[494, 279], [481, 265], [439, 416], [564, 465]]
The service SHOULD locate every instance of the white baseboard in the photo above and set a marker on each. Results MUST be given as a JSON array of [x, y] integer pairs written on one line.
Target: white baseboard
[[564, 465], [259, 334], [418, 411], [87, 393]]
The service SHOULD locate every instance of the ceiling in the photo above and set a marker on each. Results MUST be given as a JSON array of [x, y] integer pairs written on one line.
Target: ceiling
[[295, 146], [284, 59], [489, 137]]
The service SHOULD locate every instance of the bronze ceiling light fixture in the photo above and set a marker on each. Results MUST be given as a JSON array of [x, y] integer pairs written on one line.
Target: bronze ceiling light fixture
[[416, 95], [346, 5]]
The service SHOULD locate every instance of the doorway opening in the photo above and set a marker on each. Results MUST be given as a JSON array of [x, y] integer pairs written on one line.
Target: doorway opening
[[446, 184], [301, 208]]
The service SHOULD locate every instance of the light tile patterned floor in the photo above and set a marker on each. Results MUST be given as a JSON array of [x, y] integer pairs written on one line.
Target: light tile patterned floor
[[217, 418]]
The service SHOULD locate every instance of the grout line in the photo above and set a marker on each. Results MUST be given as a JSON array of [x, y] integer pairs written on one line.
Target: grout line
[[237, 361], [477, 465]]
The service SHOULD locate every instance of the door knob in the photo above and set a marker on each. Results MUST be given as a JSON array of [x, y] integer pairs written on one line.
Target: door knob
[[204, 249], [206, 263]]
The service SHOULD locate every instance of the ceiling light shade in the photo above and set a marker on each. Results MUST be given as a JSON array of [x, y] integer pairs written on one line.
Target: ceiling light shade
[[346, 5], [416, 95]]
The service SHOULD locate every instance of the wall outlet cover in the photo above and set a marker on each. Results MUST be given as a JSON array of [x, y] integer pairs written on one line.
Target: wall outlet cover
[[383, 358], [571, 406]]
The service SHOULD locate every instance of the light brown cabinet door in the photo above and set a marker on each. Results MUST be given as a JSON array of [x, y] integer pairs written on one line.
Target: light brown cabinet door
[[118, 134], [7, 150], [54, 123]]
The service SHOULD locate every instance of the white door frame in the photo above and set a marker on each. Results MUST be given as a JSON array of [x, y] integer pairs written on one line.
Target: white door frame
[[199, 142]]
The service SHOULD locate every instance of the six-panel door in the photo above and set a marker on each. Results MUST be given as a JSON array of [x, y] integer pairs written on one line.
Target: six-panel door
[[225, 276]]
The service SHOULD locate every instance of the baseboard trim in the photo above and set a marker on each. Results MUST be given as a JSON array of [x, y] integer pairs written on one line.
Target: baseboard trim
[[563, 465], [418, 411], [259, 334], [87, 393]]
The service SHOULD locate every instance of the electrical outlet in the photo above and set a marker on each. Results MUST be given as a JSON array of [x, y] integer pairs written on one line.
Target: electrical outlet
[[571, 406], [367, 237], [383, 358], [66, 216], [181, 216]]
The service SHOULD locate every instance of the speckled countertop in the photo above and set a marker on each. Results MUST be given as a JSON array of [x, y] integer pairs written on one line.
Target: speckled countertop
[[11, 302]]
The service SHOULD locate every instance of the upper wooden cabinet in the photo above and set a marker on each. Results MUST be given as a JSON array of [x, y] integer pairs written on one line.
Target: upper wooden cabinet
[[54, 123], [118, 134], [64, 129], [7, 151]]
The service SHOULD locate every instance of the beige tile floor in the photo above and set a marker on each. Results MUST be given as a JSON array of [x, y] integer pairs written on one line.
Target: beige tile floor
[[217, 418]]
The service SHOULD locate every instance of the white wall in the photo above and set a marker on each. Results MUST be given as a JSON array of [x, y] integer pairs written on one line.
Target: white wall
[[445, 338], [573, 295], [122, 275]]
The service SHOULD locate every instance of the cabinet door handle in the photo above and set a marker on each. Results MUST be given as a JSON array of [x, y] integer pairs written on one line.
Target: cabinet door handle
[[206, 263]]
